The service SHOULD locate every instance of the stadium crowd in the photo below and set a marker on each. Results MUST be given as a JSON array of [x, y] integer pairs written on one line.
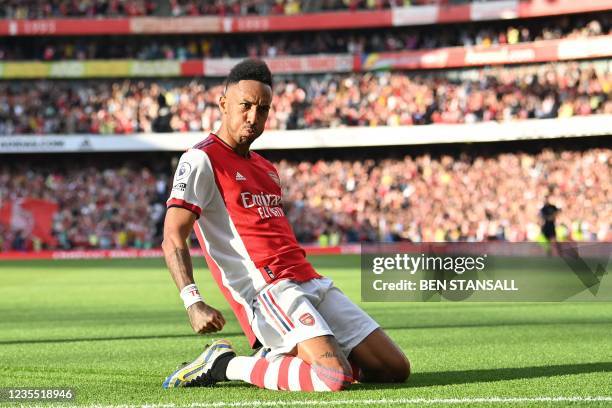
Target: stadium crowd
[[301, 43], [36, 9], [469, 197], [98, 207], [290, 7], [371, 99]]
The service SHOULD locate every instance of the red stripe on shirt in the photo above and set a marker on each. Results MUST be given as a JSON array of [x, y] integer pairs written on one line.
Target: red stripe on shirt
[[206, 142], [177, 202], [237, 307]]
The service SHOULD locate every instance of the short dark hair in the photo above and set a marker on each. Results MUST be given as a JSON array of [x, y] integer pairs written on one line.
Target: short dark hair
[[250, 69]]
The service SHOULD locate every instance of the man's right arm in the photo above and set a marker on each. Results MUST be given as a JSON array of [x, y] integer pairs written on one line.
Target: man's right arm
[[177, 228]]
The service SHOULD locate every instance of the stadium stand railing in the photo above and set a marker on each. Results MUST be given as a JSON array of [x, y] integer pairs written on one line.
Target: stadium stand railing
[[578, 126]]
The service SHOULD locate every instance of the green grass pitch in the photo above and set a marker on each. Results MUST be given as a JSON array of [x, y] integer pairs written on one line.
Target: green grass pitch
[[114, 329]]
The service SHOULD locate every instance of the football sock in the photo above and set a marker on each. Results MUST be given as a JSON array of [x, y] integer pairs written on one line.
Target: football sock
[[286, 373]]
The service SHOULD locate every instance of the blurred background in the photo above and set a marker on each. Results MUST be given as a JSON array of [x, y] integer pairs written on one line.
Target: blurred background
[[392, 120]]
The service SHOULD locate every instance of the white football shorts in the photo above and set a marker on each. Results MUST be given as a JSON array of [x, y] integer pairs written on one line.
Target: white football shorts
[[288, 312]]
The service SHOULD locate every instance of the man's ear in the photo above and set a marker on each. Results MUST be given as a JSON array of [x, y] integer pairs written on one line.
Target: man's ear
[[222, 101]]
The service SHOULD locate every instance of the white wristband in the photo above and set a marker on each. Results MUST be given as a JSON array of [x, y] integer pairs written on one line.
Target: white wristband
[[190, 295]]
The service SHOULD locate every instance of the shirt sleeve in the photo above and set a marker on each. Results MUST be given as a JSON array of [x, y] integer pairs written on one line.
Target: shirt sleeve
[[193, 182]]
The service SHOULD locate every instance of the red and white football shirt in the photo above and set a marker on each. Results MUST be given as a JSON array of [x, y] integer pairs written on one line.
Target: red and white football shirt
[[247, 240]]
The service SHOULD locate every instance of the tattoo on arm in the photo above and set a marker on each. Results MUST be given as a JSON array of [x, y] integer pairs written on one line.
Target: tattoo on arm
[[179, 263], [328, 354]]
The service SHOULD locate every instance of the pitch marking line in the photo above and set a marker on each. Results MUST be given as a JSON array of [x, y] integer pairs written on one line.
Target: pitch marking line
[[384, 401]]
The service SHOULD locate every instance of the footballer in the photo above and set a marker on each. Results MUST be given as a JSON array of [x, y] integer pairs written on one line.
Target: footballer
[[310, 336]]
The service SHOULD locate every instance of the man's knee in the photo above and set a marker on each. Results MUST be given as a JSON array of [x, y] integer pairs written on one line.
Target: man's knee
[[396, 370], [401, 370]]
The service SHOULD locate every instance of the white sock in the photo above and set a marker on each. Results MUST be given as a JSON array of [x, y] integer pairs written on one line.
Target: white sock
[[240, 367]]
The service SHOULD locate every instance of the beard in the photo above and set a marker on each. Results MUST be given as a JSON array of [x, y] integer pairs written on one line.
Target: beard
[[248, 137]]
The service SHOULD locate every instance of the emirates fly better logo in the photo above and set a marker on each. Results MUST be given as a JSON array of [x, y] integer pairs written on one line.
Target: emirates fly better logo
[[268, 205]]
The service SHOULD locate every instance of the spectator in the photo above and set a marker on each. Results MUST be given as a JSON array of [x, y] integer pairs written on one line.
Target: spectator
[[33, 9], [36, 9], [370, 99], [304, 43], [470, 197]]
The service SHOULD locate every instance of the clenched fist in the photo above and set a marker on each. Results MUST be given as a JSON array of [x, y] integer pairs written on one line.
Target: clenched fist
[[205, 319]]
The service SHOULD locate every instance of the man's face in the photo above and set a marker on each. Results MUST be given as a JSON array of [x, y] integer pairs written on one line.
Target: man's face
[[245, 108]]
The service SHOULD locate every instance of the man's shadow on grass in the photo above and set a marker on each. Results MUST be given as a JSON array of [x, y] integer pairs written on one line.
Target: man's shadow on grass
[[418, 380]]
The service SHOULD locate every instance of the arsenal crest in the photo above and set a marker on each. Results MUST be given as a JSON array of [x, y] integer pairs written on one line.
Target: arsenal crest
[[306, 319], [274, 177]]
